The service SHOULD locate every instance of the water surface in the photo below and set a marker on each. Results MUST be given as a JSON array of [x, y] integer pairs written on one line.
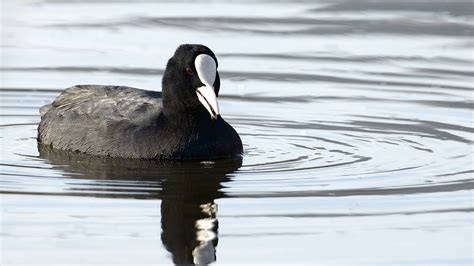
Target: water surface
[[356, 119]]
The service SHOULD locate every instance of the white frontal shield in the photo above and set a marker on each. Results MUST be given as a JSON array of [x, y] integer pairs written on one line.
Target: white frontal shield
[[206, 69]]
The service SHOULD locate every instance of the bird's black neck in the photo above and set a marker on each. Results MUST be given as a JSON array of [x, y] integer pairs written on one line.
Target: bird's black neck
[[188, 118]]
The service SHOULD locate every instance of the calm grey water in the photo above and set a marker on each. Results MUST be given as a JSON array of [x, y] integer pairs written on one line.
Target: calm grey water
[[356, 116]]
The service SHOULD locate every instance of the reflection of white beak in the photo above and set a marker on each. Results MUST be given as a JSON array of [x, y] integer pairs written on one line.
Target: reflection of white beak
[[206, 69]]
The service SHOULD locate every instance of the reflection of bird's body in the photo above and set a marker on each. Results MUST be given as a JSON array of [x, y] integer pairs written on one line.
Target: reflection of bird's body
[[187, 191], [182, 122]]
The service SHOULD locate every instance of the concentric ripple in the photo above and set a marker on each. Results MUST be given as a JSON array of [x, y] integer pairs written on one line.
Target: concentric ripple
[[282, 157]]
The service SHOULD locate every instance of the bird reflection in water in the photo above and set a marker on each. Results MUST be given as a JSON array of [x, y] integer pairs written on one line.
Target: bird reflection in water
[[187, 191], [189, 213]]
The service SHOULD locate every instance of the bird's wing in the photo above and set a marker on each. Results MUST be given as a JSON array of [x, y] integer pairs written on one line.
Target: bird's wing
[[105, 102], [101, 120]]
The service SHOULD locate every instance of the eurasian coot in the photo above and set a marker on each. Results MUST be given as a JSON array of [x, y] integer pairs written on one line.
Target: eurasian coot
[[180, 123]]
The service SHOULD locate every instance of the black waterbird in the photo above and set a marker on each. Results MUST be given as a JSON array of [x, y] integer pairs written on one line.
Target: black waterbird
[[180, 123]]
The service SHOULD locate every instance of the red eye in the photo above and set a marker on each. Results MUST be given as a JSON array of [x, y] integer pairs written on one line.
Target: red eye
[[189, 71]]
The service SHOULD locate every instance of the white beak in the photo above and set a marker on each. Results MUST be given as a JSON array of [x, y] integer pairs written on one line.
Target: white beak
[[206, 69]]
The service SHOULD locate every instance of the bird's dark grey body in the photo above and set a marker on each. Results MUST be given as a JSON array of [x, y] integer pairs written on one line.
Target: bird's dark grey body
[[125, 122]]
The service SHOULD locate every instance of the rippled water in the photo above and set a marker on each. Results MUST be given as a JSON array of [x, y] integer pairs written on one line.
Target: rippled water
[[356, 119]]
